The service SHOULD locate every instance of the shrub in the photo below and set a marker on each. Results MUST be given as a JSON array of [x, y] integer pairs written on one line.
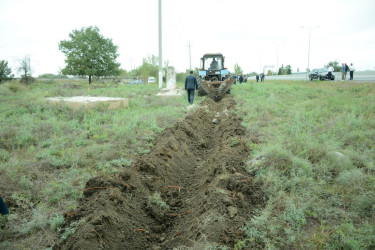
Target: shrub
[[56, 222], [348, 236], [157, 200], [4, 155], [337, 162], [39, 220], [278, 158]]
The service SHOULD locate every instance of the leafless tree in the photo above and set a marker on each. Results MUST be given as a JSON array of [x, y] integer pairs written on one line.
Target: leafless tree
[[25, 69]]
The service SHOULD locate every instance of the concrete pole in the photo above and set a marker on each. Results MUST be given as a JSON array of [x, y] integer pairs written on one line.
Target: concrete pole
[[308, 55], [160, 50]]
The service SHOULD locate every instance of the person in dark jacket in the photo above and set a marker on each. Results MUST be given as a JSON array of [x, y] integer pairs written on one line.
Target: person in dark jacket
[[240, 78], [3, 208], [262, 77], [191, 85], [257, 77]]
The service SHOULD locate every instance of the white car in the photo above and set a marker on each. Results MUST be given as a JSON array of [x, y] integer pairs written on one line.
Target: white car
[[151, 80]]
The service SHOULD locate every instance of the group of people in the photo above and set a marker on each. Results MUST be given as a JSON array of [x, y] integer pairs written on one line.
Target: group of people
[[261, 76], [344, 70], [240, 78]]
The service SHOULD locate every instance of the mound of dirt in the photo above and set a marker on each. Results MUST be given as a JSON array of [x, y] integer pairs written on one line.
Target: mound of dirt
[[190, 191]]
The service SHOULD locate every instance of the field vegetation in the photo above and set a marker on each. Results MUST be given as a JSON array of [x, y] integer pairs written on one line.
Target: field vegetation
[[48, 152], [312, 152], [315, 162]]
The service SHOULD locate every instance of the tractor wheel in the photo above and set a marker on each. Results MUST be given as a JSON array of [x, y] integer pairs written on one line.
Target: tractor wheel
[[201, 91]]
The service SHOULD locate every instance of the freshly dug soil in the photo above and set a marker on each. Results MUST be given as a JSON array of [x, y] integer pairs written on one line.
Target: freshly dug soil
[[190, 191]]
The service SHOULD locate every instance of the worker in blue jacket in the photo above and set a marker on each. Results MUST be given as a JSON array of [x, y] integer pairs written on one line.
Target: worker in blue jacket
[[3, 208], [191, 85]]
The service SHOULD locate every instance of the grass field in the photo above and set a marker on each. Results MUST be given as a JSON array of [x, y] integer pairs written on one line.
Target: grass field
[[312, 151], [316, 163]]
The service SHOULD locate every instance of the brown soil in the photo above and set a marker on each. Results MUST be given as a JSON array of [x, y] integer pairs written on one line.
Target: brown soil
[[197, 168]]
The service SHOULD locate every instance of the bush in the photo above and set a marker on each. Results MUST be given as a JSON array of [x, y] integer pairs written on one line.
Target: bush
[[27, 79], [15, 87], [157, 200], [4, 155], [347, 236], [56, 222]]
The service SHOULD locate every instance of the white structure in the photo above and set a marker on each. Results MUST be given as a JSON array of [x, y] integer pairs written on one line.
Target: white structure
[[77, 102], [171, 78], [171, 89]]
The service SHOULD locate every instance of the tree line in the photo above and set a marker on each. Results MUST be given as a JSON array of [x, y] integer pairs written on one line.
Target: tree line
[[89, 54]]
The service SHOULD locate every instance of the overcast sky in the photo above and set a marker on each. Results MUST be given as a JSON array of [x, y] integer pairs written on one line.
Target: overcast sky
[[250, 33]]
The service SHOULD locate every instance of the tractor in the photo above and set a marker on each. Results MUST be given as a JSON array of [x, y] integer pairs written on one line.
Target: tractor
[[214, 79]]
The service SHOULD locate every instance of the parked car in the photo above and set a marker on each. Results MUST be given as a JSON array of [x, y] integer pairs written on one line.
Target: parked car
[[151, 80], [136, 82], [321, 74]]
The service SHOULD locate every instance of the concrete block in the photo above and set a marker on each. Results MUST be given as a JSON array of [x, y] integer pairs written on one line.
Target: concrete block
[[76, 102]]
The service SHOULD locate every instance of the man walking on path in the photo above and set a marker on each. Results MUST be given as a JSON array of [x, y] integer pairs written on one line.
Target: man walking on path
[[351, 67], [191, 85]]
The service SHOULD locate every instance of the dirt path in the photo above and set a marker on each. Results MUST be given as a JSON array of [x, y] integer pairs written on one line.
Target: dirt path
[[190, 191]]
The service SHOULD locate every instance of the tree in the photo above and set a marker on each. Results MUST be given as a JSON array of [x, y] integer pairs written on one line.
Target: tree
[[149, 67], [88, 53], [287, 70], [52, 76], [25, 69], [269, 73], [124, 73], [5, 71], [335, 64], [237, 69]]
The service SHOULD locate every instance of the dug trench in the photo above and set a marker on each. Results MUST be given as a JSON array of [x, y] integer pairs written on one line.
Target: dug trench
[[189, 191]]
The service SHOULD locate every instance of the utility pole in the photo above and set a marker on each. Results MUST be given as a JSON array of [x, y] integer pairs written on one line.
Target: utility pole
[[131, 66], [160, 50], [277, 59], [308, 53], [190, 55]]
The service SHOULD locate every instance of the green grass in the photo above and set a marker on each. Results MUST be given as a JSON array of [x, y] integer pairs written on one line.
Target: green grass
[[48, 152], [318, 174], [314, 144]]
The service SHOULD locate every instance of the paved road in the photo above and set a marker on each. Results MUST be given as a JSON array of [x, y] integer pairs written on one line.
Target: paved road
[[358, 76]]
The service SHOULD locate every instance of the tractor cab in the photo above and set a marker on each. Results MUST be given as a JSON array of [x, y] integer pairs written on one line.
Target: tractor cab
[[212, 62], [212, 67]]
